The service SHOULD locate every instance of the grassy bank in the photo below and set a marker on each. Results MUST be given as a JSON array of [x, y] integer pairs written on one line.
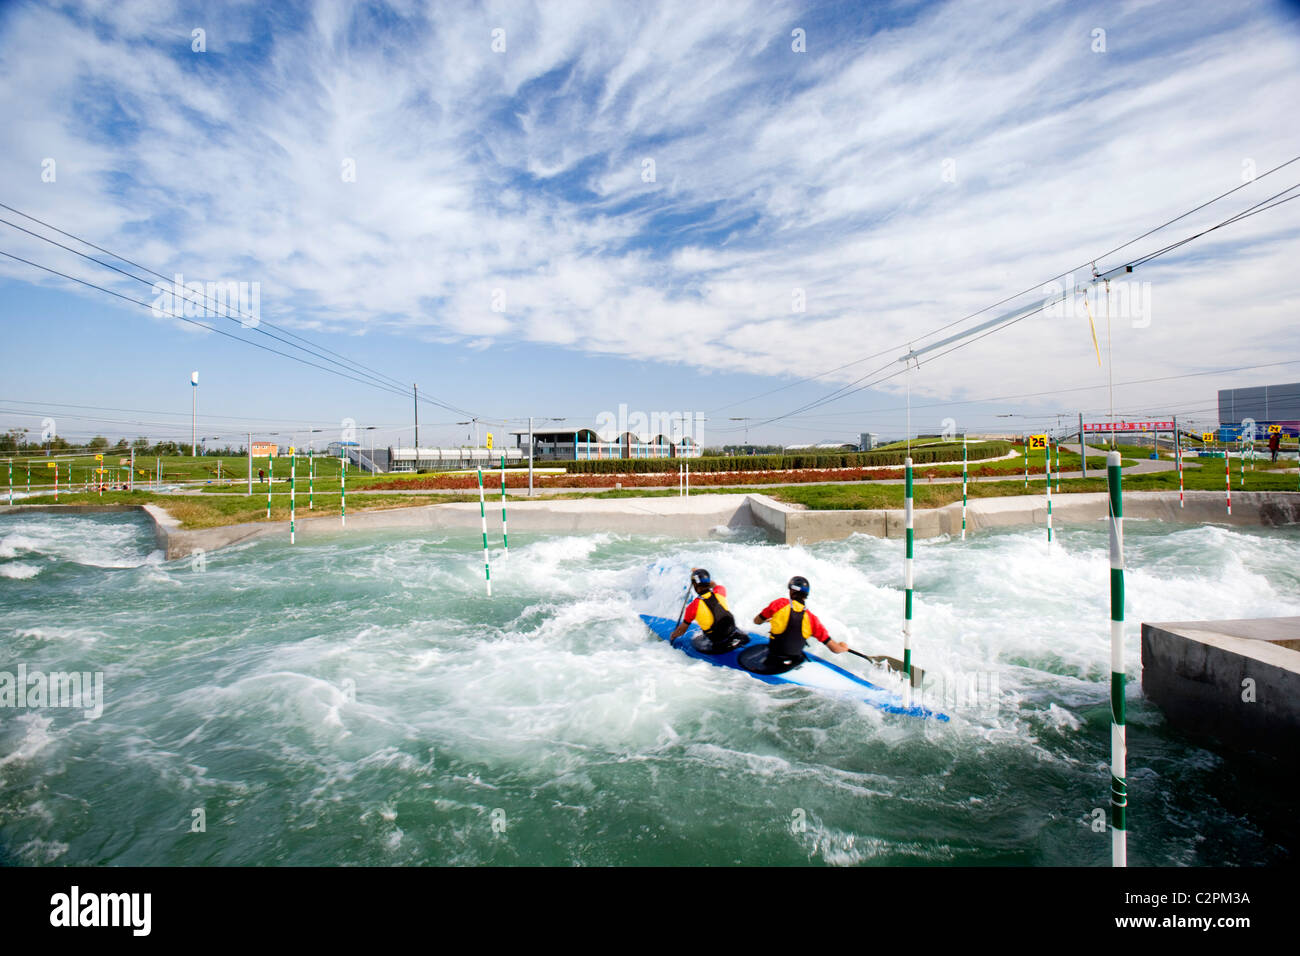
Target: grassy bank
[[212, 511]]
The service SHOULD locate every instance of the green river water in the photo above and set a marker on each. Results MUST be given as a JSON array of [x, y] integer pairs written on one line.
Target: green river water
[[357, 699]]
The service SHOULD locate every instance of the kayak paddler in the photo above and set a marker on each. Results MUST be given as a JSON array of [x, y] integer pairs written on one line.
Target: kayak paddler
[[709, 610], [792, 624]]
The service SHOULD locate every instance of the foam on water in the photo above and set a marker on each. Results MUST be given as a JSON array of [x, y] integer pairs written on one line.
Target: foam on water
[[360, 699]]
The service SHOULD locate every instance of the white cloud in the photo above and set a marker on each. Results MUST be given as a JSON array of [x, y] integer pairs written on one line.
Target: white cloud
[[775, 171]]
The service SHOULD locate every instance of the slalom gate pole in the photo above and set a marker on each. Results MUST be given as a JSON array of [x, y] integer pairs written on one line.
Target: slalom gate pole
[[131, 480], [29, 477], [1025, 440], [56, 483], [157, 472], [1243, 465], [963, 487], [482, 513], [343, 493], [270, 476], [1118, 745], [293, 473], [1047, 462], [1178, 456], [1058, 466], [11, 482], [505, 539], [907, 570], [311, 480], [1227, 475]]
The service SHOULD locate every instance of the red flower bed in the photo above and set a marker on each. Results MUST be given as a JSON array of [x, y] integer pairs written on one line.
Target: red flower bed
[[492, 481]]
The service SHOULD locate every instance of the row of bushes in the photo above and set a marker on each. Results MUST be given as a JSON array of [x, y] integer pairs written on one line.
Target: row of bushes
[[930, 454]]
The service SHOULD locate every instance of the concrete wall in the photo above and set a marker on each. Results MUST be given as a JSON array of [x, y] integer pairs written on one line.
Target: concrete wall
[[676, 517], [1197, 672]]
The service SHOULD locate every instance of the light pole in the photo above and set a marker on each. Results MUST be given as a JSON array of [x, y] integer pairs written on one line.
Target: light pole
[[746, 420], [194, 412], [371, 429]]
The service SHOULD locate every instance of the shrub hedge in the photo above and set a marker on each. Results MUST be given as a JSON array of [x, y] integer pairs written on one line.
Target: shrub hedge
[[927, 455]]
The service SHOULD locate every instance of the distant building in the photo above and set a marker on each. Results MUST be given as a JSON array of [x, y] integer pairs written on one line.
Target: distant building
[[584, 444], [265, 449], [1264, 405], [868, 441]]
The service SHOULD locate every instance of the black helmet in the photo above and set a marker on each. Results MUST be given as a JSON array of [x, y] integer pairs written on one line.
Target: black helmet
[[799, 585], [700, 577]]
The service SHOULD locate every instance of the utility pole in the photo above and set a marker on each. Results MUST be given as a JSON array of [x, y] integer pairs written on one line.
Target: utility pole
[[1083, 450]]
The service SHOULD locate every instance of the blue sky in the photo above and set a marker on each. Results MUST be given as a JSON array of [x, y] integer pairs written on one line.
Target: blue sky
[[503, 245]]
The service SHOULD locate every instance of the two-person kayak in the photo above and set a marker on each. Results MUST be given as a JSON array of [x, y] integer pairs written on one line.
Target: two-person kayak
[[815, 672]]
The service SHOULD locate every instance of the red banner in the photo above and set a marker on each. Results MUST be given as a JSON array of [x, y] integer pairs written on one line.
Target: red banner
[[1128, 426]]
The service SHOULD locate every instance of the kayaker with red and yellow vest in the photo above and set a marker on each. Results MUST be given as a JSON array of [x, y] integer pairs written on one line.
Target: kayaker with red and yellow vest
[[792, 624], [709, 610]]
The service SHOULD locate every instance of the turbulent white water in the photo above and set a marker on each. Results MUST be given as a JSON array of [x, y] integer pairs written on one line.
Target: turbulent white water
[[358, 699]]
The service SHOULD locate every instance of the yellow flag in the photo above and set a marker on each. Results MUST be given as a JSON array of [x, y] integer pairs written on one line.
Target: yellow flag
[[489, 434], [1092, 325]]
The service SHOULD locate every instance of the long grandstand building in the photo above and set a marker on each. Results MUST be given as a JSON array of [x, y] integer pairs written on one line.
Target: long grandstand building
[[585, 444], [1264, 405]]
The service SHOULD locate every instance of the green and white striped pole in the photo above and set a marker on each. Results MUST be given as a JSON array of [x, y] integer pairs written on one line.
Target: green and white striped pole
[[311, 480], [1243, 466], [1058, 466], [343, 493], [1118, 745], [11, 482], [963, 487], [907, 570], [293, 473], [482, 513], [505, 538], [1047, 464], [270, 477], [29, 477], [1025, 440]]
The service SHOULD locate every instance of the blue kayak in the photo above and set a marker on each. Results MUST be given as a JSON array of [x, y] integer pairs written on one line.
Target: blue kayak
[[814, 672]]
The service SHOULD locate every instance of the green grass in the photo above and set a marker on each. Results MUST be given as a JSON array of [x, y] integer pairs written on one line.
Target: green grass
[[204, 511], [866, 496], [233, 507], [175, 469]]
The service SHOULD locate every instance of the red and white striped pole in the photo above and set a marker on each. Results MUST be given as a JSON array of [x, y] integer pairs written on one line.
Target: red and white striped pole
[[1227, 475]]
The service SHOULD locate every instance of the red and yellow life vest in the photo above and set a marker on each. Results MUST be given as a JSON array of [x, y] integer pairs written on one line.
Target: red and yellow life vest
[[708, 608]]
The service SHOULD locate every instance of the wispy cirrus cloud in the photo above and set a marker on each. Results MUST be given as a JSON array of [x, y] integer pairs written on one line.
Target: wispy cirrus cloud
[[504, 194]]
